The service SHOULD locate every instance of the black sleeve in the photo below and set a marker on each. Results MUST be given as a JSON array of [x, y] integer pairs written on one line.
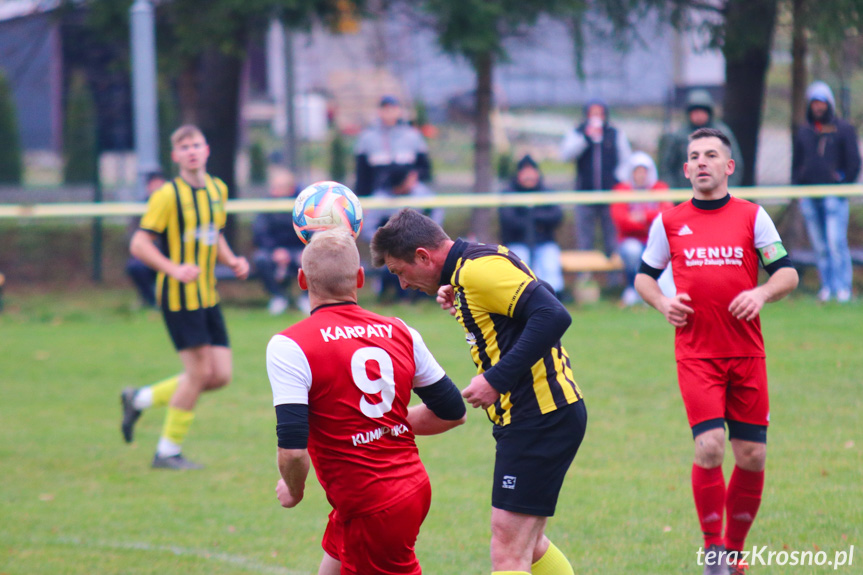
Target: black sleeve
[[545, 321], [851, 160], [292, 425], [651, 271], [443, 398], [783, 262], [365, 174], [424, 167]]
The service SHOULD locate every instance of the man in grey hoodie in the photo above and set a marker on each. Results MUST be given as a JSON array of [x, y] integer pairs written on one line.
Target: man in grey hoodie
[[826, 152]]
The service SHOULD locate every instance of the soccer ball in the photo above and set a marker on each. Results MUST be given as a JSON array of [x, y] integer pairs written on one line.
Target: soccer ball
[[325, 205]]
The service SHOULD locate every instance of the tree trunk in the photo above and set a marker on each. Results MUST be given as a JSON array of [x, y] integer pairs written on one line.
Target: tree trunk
[[219, 113], [482, 165], [187, 92], [749, 26], [798, 66]]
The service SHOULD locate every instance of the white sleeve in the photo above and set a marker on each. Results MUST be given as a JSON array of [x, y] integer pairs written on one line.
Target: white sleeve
[[428, 370], [657, 253], [765, 230], [289, 371], [574, 143]]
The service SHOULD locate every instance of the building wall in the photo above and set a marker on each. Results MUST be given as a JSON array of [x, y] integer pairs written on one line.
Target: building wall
[[29, 56]]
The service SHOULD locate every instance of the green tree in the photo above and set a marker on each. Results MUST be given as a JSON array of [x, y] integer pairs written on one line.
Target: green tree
[[257, 162], [168, 122], [202, 47], [477, 30], [338, 157], [11, 167], [80, 162]]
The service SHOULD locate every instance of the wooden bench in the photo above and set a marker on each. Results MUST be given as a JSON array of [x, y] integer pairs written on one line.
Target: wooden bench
[[588, 261], [579, 261]]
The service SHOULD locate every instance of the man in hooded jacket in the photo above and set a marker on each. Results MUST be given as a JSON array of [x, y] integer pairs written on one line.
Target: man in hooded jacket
[[700, 113], [826, 152]]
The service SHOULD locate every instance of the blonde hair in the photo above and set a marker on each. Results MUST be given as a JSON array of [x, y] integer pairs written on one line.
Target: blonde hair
[[185, 131], [330, 263]]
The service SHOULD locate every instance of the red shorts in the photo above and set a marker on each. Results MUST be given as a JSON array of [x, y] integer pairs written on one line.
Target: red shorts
[[733, 389], [381, 542]]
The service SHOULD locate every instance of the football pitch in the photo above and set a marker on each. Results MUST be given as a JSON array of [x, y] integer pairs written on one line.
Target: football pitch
[[74, 499]]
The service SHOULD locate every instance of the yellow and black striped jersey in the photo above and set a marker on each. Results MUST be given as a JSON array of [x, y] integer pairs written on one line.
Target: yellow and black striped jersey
[[188, 220], [491, 286]]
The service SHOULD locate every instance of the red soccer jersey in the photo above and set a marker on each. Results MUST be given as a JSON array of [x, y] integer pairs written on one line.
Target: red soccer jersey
[[355, 370], [714, 256]]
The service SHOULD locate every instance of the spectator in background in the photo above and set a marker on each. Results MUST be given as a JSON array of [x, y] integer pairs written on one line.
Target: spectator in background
[[277, 247], [529, 231], [700, 111], [633, 222], [600, 152], [826, 152], [388, 144], [401, 182], [142, 275]]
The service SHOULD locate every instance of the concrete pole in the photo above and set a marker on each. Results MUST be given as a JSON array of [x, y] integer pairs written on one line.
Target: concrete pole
[[143, 39], [291, 156]]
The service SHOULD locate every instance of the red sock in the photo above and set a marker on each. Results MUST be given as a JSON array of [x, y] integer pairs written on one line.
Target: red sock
[[708, 487], [741, 505]]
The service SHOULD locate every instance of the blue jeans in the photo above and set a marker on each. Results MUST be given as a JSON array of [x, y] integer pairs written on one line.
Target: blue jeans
[[544, 260], [630, 250], [827, 226]]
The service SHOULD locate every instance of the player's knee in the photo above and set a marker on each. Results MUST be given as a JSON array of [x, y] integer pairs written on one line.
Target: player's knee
[[710, 449], [751, 456], [218, 379]]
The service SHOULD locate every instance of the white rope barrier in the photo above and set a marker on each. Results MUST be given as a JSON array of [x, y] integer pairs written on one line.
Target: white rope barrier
[[95, 209]]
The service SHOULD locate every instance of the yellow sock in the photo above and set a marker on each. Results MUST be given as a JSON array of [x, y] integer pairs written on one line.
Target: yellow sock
[[163, 390], [177, 423], [552, 563]]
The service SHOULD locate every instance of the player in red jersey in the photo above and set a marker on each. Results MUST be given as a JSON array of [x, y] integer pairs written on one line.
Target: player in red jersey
[[342, 381], [715, 243]]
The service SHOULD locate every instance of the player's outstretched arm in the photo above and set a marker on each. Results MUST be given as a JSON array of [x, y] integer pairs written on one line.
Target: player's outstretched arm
[[423, 421], [441, 410], [294, 468], [747, 305]]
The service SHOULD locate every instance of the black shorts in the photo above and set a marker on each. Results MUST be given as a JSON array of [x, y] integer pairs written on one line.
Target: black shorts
[[204, 326], [533, 457]]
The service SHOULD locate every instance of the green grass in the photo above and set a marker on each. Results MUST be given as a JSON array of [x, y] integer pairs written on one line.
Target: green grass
[[75, 500]]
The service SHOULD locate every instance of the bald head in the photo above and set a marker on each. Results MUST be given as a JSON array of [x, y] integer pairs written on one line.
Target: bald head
[[330, 263]]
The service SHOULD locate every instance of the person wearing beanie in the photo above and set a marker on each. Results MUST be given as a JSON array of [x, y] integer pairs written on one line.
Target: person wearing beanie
[[530, 231], [826, 152], [700, 113]]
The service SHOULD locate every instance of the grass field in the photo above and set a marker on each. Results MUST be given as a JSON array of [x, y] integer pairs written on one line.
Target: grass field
[[74, 499]]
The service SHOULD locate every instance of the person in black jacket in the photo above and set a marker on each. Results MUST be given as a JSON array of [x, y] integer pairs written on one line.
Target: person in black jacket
[[826, 152], [601, 153], [529, 231], [277, 247]]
